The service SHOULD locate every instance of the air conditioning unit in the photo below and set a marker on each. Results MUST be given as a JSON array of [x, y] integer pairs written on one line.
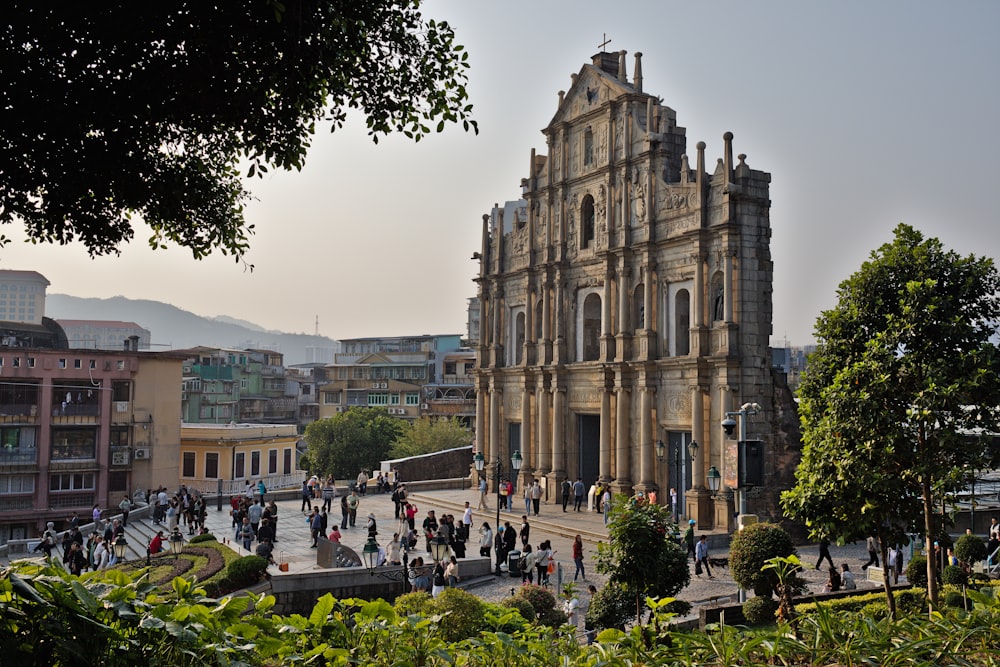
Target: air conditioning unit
[[119, 457], [424, 406], [340, 408], [385, 385], [141, 453]]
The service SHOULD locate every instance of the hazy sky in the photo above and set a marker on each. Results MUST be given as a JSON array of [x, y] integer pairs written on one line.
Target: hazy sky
[[866, 114]]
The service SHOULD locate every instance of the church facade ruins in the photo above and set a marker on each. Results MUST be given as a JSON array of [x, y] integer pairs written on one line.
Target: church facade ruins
[[626, 303]]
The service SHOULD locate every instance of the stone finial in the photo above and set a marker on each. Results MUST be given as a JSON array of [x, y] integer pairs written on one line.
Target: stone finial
[[621, 66], [562, 95], [637, 74], [727, 153]]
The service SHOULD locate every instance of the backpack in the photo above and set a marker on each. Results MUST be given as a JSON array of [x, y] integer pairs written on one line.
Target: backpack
[[522, 563]]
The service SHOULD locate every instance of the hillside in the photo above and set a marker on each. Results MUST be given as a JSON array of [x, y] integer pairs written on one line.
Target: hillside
[[174, 328]]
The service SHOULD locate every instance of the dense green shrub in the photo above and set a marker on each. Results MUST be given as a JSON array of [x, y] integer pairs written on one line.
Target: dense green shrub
[[418, 603], [760, 610], [750, 549], [916, 571], [908, 601], [501, 617], [540, 599], [954, 599], [462, 614], [875, 609], [246, 571], [207, 537], [954, 575], [679, 607], [522, 606], [611, 607], [970, 549]]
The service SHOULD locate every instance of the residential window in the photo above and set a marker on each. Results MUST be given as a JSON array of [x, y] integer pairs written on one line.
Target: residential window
[[412, 398], [119, 436], [121, 392], [306, 390], [16, 484], [118, 481], [378, 399], [187, 465], [72, 482], [393, 399], [77, 363], [62, 363], [449, 368], [331, 398], [244, 384], [287, 462], [17, 440], [211, 465], [73, 443], [239, 467], [272, 462], [255, 464]]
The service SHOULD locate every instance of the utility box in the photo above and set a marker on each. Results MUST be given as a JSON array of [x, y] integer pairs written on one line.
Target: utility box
[[751, 463]]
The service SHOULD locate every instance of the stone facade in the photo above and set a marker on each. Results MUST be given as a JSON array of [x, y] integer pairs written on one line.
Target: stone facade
[[626, 299]]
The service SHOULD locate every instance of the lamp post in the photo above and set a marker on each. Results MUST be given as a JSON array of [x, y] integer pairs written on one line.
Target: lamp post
[[176, 542], [714, 478], [729, 425], [369, 556], [120, 548], [515, 464]]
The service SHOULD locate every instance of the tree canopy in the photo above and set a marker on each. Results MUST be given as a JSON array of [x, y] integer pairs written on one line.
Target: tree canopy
[[894, 402], [120, 109], [427, 435], [643, 555], [348, 442]]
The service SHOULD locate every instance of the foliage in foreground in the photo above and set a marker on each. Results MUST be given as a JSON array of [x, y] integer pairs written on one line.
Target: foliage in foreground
[[50, 617]]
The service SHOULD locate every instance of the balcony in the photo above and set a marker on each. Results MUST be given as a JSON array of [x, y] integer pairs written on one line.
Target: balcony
[[72, 500], [25, 412], [18, 457], [16, 503]]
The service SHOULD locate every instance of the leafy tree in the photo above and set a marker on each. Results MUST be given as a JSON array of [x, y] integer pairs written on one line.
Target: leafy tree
[[904, 372], [351, 441], [427, 435], [969, 550], [116, 109], [643, 557]]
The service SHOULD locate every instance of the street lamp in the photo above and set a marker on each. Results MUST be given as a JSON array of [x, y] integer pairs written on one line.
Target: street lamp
[[515, 464], [729, 425], [714, 480], [439, 548], [369, 556], [176, 542], [660, 450], [121, 548]]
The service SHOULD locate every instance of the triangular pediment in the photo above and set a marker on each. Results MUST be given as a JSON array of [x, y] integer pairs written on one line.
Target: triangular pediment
[[374, 358], [592, 89]]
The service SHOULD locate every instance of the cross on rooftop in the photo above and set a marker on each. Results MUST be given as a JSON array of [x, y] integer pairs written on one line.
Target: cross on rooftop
[[605, 42]]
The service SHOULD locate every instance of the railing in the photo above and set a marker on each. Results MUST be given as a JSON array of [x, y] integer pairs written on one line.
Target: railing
[[70, 500], [20, 409], [17, 456], [13, 503], [234, 487]]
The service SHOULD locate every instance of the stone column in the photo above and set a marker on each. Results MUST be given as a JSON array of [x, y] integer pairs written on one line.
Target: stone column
[[542, 410], [647, 299], [605, 463], [623, 443], [526, 439], [494, 444], [727, 301], [481, 439], [607, 340], [558, 437], [529, 326], [647, 466]]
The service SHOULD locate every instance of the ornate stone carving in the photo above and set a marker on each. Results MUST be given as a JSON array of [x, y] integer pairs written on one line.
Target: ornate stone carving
[[677, 405]]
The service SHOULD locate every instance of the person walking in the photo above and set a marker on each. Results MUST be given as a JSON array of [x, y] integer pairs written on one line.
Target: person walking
[[125, 506], [410, 510], [246, 533], [689, 540], [567, 488], [500, 549], [527, 498], [352, 506], [329, 492], [701, 553], [306, 497], [579, 492], [578, 558], [872, 547], [509, 485], [536, 496], [485, 540], [483, 505], [525, 530], [467, 518], [824, 552], [543, 557], [315, 526]]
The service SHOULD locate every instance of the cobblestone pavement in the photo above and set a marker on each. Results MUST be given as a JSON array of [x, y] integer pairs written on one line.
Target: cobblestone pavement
[[294, 541]]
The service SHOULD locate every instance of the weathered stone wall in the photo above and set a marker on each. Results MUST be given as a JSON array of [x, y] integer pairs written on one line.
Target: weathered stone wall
[[449, 464], [297, 593]]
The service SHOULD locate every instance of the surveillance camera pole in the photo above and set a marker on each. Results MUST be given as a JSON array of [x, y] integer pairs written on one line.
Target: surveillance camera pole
[[741, 435]]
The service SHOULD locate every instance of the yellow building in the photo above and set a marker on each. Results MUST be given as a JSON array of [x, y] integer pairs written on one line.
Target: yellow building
[[227, 456]]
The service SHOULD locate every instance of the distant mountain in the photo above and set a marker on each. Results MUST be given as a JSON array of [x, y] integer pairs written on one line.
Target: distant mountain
[[174, 328]]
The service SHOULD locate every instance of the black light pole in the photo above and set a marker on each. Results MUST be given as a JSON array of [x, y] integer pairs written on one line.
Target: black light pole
[[515, 464]]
